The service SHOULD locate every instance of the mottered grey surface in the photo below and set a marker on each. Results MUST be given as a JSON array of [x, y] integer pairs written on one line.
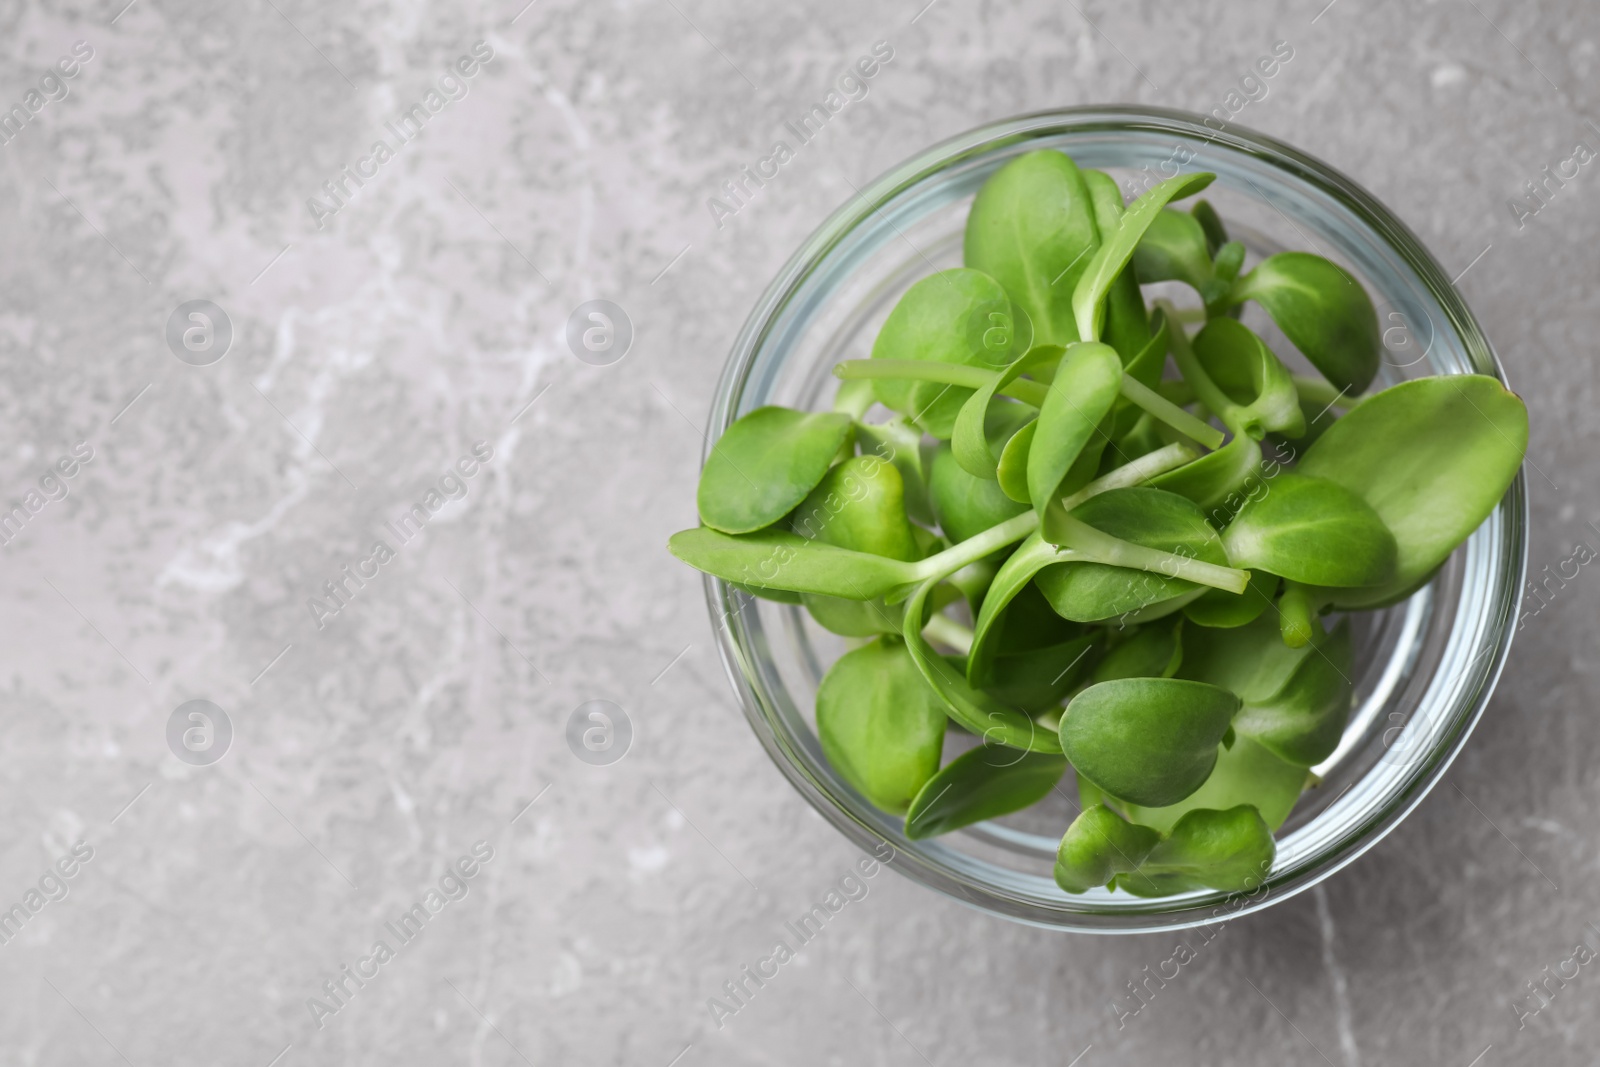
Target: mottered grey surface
[[403, 348]]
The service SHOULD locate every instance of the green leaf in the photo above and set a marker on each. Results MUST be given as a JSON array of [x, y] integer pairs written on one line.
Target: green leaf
[[1432, 457], [1086, 384], [1174, 249], [854, 618], [780, 596], [1323, 311], [1127, 322], [1032, 228], [1146, 366], [765, 464], [981, 425], [1099, 846], [1249, 660], [1245, 370], [1218, 481], [1093, 592], [1303, 721], [1312, 530], [1088, 296], [879, 725], [996, 722], [1230, 851], [1012, 471], [985, 783], [1038, 679], [1216, 233], [1014, 575], [1154, 651], [900, 442], [1224, 610], [778, 559], [860, 505], [1149, 741], [1027, 655], [1246, 773], [957, 316], [966, 505]]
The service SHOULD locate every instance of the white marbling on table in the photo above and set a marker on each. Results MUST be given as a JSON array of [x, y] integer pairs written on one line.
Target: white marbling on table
[[373, 747]]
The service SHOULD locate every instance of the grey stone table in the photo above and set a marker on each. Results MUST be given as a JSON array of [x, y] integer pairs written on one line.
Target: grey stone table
[[387, 330]]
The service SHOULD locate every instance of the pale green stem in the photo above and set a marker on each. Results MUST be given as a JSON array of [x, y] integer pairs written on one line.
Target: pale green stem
[[952, 559], [1103, 548], [1189, 366], [1135, 472], [947, 631], [1029, 392], [1318, 392], [1160, 407], [853, 399]]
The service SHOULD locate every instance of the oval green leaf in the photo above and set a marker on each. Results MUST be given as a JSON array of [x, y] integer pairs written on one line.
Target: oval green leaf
[[765, 464], [1314, 531], [1224, 610], [1032, 228], [778, 559], [1086, 384], [1099, 846], [985, 783], [966, 505], [1323, 311], [1230, 851], [1174, 249], [879, 724], [1432, 457], [1149, 741], [957, 316], [1246, 773]]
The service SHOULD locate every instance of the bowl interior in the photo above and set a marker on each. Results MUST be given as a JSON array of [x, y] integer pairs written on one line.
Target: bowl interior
[[1424, 667]]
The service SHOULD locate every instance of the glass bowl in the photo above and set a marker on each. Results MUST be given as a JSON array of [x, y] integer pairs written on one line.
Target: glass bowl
[[1425, 668]]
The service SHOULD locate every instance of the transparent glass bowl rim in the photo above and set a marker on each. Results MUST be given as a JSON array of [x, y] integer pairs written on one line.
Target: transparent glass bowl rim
[[1508, 570]]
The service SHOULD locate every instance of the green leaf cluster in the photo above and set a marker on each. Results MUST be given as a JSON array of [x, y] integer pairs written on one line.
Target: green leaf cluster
[[1042, 513]]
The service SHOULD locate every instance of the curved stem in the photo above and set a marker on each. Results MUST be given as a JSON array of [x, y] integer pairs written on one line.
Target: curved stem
[[1193, 373], [1103, 548], [952, 559], [1135, 472], [927, 370], [1159, 407], [947, 631]]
